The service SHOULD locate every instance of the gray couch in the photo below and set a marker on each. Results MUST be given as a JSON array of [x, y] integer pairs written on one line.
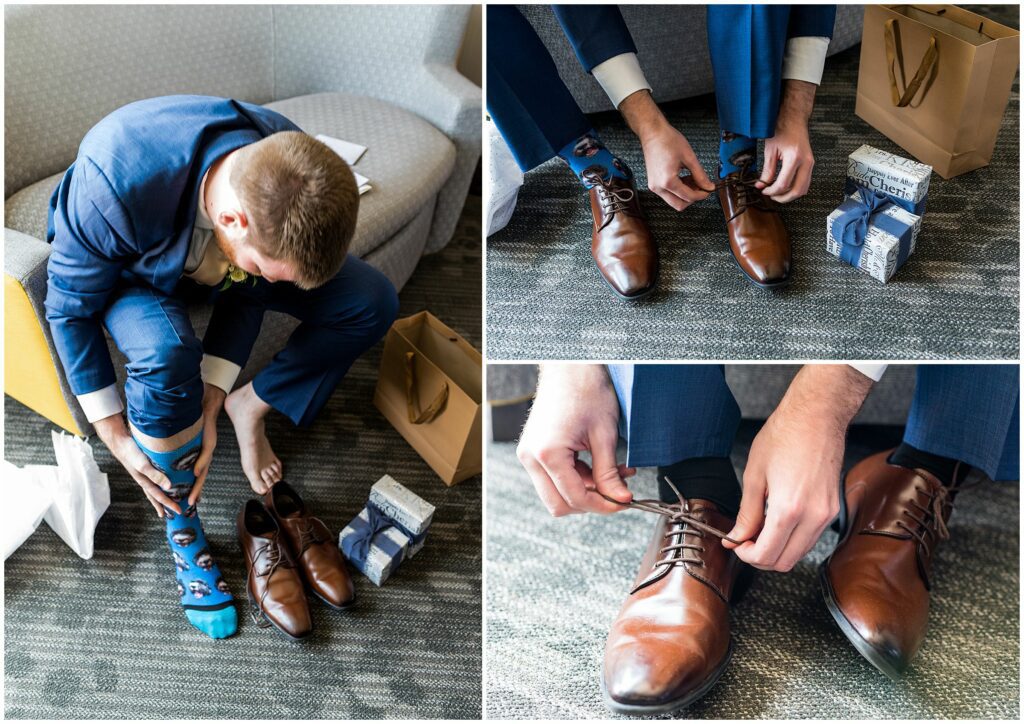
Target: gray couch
[[381, 76], [671, 45]]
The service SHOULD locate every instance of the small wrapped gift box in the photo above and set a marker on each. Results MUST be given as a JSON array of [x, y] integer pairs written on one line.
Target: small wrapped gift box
[[373, 545], [392, 527], [870, 232], [904, 181], [403, 505]]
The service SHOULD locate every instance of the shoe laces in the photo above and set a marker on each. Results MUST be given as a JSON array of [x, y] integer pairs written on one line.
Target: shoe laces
[[929, 520], [308, 536], [681, 524], [275, 558], [748, 195], [612, 200]]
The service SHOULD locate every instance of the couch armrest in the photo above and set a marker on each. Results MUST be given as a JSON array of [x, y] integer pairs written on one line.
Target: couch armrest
[[454, 105], [33, 373], [404, 55]]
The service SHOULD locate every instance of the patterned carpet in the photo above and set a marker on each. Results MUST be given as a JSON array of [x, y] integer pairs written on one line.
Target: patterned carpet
[[106, 639], [957, 296], [555, 585]]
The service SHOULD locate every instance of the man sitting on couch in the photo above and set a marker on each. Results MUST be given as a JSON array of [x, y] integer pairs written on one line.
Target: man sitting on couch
[[194, 198]]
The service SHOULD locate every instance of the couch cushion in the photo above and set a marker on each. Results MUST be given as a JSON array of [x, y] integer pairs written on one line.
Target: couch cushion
[[407, 161]]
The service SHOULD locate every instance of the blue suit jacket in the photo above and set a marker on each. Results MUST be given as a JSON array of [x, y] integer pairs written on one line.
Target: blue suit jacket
[[123, 213]]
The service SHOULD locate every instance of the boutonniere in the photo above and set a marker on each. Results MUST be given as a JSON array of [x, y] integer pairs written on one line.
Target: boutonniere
[[236, 276]]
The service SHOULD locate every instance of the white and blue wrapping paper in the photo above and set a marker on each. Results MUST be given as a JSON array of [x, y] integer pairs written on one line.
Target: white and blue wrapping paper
[[376, 543], [398, 502], [873, 234], [902, 180]]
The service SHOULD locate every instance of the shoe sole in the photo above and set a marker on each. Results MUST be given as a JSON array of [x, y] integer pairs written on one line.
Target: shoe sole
[[874, 656], [284, 633], [680, 703], [762, 285], [327, 603], [635, 297]]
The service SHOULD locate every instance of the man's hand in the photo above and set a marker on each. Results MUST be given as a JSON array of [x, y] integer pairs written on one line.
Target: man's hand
[[794, 466], [790, 146], [213, 403], [114, 434], [575, 409], [666, 153]]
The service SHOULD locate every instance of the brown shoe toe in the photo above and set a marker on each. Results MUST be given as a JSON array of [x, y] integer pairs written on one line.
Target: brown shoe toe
[[636, 675], [621, 242], [670, 642], [757, 237], [273, 585], [312, 546]]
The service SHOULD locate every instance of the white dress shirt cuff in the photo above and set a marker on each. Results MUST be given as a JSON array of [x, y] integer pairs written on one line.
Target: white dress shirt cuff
[[871, 370], [620, 77], [805, 59], [101, 403], [219, 372]]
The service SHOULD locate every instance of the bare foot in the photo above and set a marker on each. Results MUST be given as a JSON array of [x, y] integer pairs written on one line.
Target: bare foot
[[259, 462]]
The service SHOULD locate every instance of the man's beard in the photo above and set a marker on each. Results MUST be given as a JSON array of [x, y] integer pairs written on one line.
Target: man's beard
[[225, 246]]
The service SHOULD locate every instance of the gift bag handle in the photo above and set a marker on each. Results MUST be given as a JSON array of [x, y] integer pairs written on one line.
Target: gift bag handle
[[894, 55], [412, 399]]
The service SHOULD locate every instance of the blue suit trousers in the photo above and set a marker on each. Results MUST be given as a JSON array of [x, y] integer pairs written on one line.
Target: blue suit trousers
[[339, 321], [969, 413], [537, 115]]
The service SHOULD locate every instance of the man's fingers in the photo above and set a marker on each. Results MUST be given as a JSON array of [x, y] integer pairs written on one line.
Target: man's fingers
[[606, 469], [560, 465], [750, 518], [156, 506], [784, 181], [701, 179], [771, 541], [197, 487], [800, 542], [669, 198], [594, 503], [771, 162], [801, 185], [147, 469], [155, 493], [545, 489]]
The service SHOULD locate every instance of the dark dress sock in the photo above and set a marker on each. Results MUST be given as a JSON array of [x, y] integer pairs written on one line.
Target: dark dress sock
[[944, 469], [711, 479]]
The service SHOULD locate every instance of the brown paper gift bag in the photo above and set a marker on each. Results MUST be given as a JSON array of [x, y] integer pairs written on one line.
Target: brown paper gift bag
[[935, 79], [429, 388]]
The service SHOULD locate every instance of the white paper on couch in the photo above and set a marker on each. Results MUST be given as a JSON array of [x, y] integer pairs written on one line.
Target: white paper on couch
[[350, 153]]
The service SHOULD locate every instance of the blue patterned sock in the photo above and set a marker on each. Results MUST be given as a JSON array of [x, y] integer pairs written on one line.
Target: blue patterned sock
[[586, 155], [202, 591], [735, 152]]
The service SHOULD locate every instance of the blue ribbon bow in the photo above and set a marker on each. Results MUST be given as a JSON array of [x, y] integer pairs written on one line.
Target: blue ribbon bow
[[356, 546], [851, 226]]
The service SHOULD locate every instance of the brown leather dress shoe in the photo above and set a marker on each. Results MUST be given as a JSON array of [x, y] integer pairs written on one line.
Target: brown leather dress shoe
[[877, 580], [311, 545], [757, 236], [274, 587], [670, 642], [621, 242]]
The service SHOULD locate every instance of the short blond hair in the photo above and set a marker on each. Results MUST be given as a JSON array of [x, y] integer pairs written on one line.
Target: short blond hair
[[301, 201]]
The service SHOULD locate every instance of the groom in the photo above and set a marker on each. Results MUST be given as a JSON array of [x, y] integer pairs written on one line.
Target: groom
[[767, 62], [670, 642], [195, 198]]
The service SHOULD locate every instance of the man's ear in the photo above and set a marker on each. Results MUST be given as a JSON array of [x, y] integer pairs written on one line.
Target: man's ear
[[234, 220]]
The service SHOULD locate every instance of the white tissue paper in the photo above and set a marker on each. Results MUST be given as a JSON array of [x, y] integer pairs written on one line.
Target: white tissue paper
[[75, 494], [503, 181], [350, 153]]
